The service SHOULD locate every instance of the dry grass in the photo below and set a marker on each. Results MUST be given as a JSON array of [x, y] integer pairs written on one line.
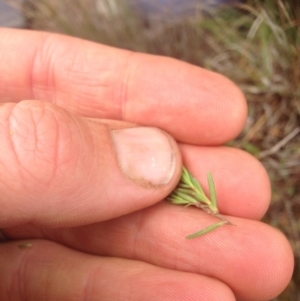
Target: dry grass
[[257, 45]]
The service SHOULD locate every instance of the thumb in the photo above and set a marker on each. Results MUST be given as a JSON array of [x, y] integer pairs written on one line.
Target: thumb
[[57, 169]]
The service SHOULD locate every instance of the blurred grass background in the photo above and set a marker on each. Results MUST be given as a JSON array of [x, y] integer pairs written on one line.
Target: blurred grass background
[[255, 43]]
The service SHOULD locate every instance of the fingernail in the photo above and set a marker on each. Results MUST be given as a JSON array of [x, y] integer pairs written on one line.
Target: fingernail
[[145, 155]]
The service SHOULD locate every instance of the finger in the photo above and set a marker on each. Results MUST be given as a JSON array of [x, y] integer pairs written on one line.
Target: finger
[[57, 169], [253, 259], [48, 271], [242, 183], [93, 80]]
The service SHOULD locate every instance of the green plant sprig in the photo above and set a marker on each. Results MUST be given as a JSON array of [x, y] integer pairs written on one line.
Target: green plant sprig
[[188, 192]]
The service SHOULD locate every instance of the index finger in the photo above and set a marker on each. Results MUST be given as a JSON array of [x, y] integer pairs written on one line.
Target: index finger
[[193, 104]]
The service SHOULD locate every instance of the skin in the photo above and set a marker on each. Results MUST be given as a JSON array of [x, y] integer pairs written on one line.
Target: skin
[[107, 237]]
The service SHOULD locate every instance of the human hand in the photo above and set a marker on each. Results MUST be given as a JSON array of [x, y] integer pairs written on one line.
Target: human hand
[[101, 233]]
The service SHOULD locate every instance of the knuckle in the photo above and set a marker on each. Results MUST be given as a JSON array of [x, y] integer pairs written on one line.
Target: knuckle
[[36, 143]]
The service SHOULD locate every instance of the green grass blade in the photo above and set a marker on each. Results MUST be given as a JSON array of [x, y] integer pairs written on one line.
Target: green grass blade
[[186, 197], [185, 176], [212, 192], [206, 230], [174, 199], [197, 186]]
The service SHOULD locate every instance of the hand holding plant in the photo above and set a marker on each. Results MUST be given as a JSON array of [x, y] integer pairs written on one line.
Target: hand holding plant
[[82, 183]]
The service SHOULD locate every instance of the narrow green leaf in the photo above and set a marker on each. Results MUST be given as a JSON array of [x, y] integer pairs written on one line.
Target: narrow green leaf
[[176, 201], [212, 192], [185, 176], [186, 197], [203, 199], [197, 186], [206, 230], [183, 185], [186, 190]]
